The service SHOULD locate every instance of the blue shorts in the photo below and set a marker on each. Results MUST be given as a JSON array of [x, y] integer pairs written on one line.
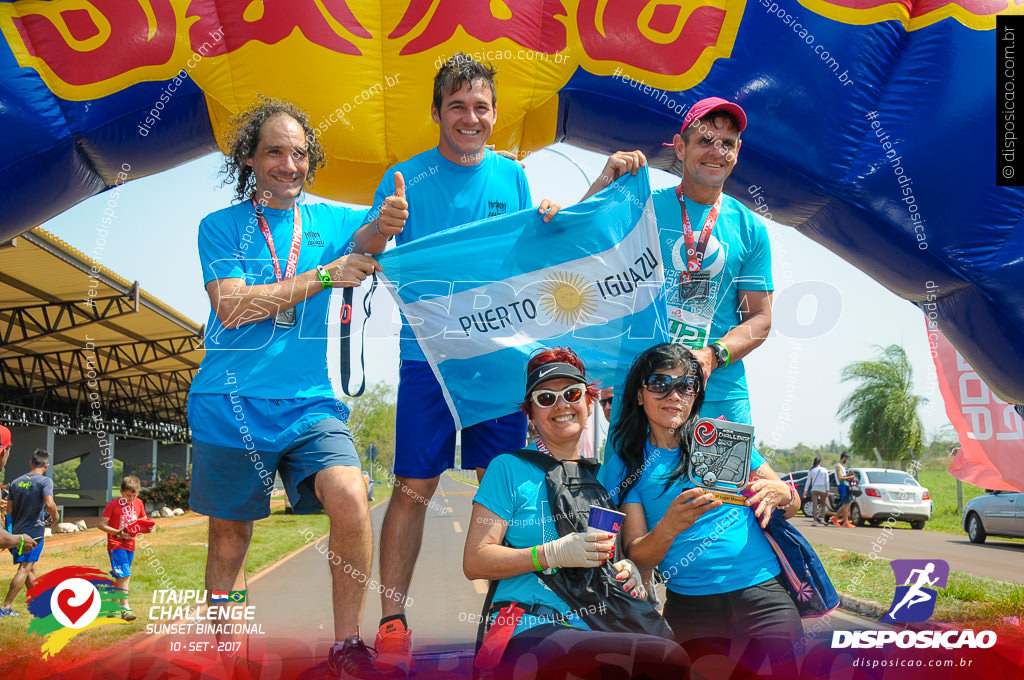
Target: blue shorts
[[235, 482], [31, 556], [844, 494], [425, 430], [734, 410], [121, 562]]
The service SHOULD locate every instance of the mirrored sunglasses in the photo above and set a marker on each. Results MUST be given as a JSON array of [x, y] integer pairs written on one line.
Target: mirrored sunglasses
[[548, 398], [659, 383]]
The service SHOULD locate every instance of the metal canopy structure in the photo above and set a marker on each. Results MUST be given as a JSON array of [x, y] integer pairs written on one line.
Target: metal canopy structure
[[82, 348]]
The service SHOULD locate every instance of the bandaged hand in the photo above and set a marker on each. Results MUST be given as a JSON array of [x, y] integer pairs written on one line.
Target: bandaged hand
[[579, 550]]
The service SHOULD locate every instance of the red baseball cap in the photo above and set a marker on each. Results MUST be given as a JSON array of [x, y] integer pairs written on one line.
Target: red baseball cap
[[706, 106], [5, 437]]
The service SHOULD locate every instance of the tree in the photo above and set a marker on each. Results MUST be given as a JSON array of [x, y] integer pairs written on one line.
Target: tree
[[883, 407], [373, 422]]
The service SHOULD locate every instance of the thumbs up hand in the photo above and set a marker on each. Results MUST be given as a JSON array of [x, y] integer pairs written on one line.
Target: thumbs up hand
[[395, 210]]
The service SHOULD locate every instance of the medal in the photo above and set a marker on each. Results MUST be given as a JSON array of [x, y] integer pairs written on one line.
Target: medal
[[286, 318]]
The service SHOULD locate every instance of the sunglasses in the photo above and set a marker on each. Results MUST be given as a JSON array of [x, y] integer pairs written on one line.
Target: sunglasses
[[606, 401], [659, 383], [548, 398]]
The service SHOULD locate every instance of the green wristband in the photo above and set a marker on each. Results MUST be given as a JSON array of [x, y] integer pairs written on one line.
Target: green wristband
[[536, 562], [723, 355], [325, 278]]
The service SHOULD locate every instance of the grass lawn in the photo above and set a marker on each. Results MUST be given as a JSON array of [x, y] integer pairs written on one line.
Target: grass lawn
[[965, 598], [176, 555]]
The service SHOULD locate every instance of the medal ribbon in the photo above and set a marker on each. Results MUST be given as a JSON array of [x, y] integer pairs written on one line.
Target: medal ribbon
[[695, 252], [293, 253]]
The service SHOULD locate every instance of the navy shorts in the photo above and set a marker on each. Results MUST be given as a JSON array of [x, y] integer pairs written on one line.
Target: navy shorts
[[121, 562], [235, 483], [844, 494], [425, 429]]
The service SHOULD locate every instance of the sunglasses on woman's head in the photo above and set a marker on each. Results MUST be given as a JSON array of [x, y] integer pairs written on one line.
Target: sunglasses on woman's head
[[548, 398], [660, 383]]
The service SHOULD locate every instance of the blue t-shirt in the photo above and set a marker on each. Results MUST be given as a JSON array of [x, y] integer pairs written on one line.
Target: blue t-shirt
[[28, 499], [514, 490], [724, 550], [443, 194], [738, 257], [261, 360]]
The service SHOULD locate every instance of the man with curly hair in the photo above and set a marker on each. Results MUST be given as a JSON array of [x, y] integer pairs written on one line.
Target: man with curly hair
[[458, 182], [264, 399]]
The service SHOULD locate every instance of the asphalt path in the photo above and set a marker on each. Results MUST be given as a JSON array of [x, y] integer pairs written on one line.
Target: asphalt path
[[292, 599], [995, 559]]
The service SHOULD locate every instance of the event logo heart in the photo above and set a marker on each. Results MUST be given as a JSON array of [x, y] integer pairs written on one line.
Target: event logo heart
[[75, 603], [706, 434]]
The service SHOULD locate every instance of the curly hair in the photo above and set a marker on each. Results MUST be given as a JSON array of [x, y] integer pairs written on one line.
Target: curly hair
[[460, 70], [628, 434], [244, 135]]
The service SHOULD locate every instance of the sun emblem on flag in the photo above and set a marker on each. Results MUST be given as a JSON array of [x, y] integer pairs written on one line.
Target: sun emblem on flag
[[568, 298]]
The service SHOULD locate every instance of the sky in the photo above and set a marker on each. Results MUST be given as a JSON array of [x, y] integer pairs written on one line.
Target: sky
[[827, 313]]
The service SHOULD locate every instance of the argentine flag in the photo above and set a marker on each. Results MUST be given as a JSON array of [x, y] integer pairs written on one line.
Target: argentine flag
[[482, 297]]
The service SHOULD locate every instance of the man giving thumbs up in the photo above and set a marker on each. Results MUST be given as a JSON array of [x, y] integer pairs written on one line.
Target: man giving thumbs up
[[458, 182]]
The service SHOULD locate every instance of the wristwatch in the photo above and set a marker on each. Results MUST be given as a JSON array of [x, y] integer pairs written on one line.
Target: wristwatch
[[721, 353]]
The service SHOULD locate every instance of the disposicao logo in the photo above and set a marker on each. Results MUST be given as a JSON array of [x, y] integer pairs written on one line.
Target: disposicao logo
[[914, 601], [67, 601]]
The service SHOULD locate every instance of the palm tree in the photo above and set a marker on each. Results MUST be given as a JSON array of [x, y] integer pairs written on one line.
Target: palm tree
[[883, 407]]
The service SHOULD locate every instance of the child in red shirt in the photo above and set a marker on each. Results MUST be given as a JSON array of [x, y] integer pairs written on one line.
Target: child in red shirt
[[118, 514]]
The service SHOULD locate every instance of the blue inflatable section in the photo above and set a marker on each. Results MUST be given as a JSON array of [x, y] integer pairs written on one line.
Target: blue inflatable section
[[885, 153]]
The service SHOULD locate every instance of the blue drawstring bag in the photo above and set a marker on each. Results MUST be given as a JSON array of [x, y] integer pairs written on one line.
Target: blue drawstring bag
[[806, 579]]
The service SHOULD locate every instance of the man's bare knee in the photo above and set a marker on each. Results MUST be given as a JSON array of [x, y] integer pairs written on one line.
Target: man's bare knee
[[341, 491]]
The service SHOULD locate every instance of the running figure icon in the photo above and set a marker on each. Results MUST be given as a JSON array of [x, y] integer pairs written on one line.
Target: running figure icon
[[915, 595]]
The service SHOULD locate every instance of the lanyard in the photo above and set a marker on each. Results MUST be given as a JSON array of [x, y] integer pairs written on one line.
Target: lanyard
[[695, 252], [293, 254]]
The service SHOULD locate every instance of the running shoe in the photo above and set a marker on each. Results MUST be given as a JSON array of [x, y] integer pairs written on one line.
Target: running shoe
[[127, 614], [835, 520], [849, 524], [353, 659], [8, 611], [394, 647]]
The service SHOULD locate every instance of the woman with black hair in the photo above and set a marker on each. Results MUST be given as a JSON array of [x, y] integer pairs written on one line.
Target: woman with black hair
[[722, 578]]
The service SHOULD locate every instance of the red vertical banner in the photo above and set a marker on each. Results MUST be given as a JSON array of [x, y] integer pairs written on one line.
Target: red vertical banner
[[990, 431]]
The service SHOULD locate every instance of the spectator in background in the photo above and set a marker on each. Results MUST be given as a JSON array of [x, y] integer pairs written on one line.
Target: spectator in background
[[817, 486], [117, 516], [31, 505], [843, 479], [8, 540]]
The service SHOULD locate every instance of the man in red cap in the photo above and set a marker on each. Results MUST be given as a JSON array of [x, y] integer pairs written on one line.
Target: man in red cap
[[718, 279], [8, 540]]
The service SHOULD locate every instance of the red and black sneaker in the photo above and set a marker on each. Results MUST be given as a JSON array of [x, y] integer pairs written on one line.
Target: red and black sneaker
[[353, 659]]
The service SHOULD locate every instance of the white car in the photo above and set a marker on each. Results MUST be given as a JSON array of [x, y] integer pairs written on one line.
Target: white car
[[997, 513], [890, 494]]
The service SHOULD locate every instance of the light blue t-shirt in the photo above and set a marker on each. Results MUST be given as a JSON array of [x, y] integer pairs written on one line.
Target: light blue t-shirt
[[514, 490], [724, 550], [443, 194], [261, 360], [738, 257]]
